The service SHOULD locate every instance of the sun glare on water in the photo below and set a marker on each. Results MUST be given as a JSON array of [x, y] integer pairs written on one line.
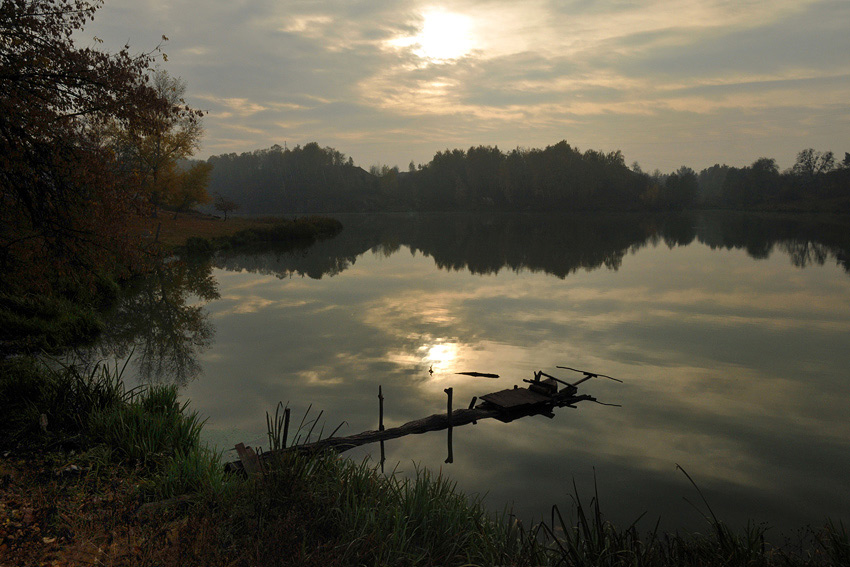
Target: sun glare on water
[[444, 36], [441, 357]]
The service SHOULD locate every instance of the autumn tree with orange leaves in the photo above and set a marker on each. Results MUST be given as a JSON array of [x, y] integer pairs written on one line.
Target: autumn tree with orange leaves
[[151, 150], [64, 197]]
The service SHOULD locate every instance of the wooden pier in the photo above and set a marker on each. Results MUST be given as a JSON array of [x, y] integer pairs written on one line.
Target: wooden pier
[[540, 397]]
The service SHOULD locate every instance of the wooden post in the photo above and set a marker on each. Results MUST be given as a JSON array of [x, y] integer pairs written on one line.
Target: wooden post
[[381, 424], [448, 391], [285, 424], [250, 461]]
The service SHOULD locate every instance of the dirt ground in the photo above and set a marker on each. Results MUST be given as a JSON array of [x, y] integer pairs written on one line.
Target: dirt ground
[[53, 512]]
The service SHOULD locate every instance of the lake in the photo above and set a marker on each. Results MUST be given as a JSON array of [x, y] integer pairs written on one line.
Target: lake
[[731, 334]]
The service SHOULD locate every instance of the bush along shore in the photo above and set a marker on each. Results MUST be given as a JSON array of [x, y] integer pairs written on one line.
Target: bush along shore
[[291, 232], [94, 473]]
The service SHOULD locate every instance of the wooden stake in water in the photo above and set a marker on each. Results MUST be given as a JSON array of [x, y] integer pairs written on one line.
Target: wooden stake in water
[[381, 424], [448, 392]]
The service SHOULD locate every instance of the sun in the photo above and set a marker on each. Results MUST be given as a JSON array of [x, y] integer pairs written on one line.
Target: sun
[[440, 357], [444, 36]]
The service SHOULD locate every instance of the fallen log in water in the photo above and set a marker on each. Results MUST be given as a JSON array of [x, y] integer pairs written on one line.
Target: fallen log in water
[[505, 406]]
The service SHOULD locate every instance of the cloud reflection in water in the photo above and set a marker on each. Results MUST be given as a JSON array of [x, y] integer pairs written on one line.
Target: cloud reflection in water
[[734, 368]]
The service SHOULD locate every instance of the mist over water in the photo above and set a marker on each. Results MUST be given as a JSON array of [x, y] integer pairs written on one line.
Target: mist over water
[[730, 332]]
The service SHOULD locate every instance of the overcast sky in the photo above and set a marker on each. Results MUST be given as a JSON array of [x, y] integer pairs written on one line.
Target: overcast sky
[[670, 83]]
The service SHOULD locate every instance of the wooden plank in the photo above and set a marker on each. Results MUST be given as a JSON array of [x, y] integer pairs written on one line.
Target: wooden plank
[[248, 458], [516, 397]]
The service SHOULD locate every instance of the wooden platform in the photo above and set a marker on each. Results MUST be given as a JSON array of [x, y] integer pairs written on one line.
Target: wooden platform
[[515, 397], [537, 399]]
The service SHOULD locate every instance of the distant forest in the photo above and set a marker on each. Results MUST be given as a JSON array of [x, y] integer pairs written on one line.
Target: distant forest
[[557, 178]]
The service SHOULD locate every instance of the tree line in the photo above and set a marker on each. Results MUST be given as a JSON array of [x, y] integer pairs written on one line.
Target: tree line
[[816, 181], [281, 180], [559, 177]]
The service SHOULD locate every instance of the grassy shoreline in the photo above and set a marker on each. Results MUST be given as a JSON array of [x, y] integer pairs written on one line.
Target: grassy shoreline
[[87, 463], [173, 232]]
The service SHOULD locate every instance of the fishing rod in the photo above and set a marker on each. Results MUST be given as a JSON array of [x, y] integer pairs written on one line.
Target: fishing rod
[[588, 375]]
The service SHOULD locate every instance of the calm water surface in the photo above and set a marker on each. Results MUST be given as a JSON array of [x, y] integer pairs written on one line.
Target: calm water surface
[[731, 333]]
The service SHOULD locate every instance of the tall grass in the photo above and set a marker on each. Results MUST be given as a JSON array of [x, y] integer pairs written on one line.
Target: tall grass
[[49, 404], [309, 508], [150, 426], [154, 430], [48, 401], [589, 540]]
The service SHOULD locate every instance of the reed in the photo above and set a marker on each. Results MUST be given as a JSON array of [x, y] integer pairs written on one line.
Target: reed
[[46, 401], [151, 427]]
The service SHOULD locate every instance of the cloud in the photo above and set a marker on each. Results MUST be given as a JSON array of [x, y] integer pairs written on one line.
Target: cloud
[[754, 77]]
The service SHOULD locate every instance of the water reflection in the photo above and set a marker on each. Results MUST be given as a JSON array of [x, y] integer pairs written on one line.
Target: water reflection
[[161, 319], [558, 245], [734, 358]]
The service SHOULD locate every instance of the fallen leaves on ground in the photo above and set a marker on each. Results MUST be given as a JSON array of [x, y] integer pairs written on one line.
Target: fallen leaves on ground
[[55, 513]]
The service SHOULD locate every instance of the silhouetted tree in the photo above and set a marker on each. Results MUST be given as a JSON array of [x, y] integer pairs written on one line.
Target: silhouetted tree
[[710, 184], [224, 205], [811, 163], [302, 179], [680, 189]]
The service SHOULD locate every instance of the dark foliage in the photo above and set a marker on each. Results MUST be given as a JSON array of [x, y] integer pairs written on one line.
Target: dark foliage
[[814, 183], [483, 178], [63, 207], [279, 181]]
